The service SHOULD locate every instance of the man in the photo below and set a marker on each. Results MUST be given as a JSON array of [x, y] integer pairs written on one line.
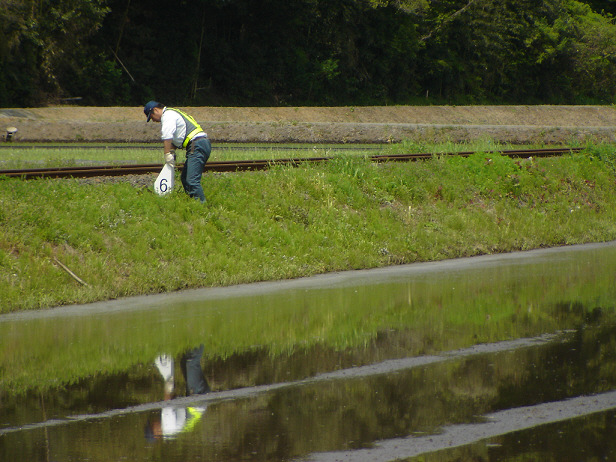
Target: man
[[179, 130]]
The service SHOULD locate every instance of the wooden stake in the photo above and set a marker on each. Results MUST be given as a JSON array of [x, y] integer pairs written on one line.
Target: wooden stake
[[65, 268]]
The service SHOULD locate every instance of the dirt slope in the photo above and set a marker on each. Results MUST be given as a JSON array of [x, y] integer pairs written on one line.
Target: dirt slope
[[515, 124]]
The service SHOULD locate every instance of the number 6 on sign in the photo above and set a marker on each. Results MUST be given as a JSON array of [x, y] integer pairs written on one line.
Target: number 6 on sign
[[165, 180]]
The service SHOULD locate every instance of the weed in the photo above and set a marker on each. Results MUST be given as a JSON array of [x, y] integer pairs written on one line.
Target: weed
[[289, 222]]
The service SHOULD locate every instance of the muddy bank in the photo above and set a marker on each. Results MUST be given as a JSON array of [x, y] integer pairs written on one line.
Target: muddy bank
[[513, 124]]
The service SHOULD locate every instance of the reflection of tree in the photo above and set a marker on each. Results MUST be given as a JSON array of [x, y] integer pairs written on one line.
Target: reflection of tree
[[586, 438], [582, 364], [339, 414], [91, 395]]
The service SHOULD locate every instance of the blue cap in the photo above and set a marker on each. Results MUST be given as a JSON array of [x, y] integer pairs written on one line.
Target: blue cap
[[147, 109]]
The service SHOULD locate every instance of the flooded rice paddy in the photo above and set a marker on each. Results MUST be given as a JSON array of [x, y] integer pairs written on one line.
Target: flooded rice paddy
[[509, 357]]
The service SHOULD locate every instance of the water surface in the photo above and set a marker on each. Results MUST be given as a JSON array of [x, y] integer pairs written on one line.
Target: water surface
[[324, 368]]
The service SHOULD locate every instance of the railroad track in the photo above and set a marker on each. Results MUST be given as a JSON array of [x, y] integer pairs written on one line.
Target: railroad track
[[246, 165], [157, 146]]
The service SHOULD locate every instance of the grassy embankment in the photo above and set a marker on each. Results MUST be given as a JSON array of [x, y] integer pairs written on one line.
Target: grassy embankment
[[292, 222]]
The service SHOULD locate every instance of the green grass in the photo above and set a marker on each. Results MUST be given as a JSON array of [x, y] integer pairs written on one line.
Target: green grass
[[23, 155], [290, 222], [28, 155]]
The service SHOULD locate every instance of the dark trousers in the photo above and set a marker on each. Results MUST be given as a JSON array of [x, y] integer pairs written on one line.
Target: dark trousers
[[197, 154]]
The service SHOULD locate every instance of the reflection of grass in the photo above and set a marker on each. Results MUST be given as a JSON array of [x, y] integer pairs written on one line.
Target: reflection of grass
[[291, 222], [437, 311]]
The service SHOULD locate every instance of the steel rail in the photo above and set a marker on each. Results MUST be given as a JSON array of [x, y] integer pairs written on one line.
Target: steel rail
[[157, 146], [247, 165]]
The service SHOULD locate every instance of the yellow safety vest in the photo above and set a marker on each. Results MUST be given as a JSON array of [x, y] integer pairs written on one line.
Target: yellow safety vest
[[192, 127]]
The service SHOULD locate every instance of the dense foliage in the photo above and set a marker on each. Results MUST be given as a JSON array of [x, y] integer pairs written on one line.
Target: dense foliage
[[307, 52]]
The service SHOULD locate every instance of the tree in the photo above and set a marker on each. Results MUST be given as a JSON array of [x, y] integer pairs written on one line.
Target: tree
[[517, 51], [45, 44], [599, 6], [593, 54], [18, 53], [292, 52]]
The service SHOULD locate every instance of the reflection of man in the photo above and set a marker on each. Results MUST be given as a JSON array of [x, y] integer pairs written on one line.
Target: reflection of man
[[174, 420], [191, 368], [190, 363]]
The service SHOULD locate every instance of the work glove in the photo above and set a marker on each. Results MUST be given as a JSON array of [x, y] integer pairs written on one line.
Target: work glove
[[170, 158]]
